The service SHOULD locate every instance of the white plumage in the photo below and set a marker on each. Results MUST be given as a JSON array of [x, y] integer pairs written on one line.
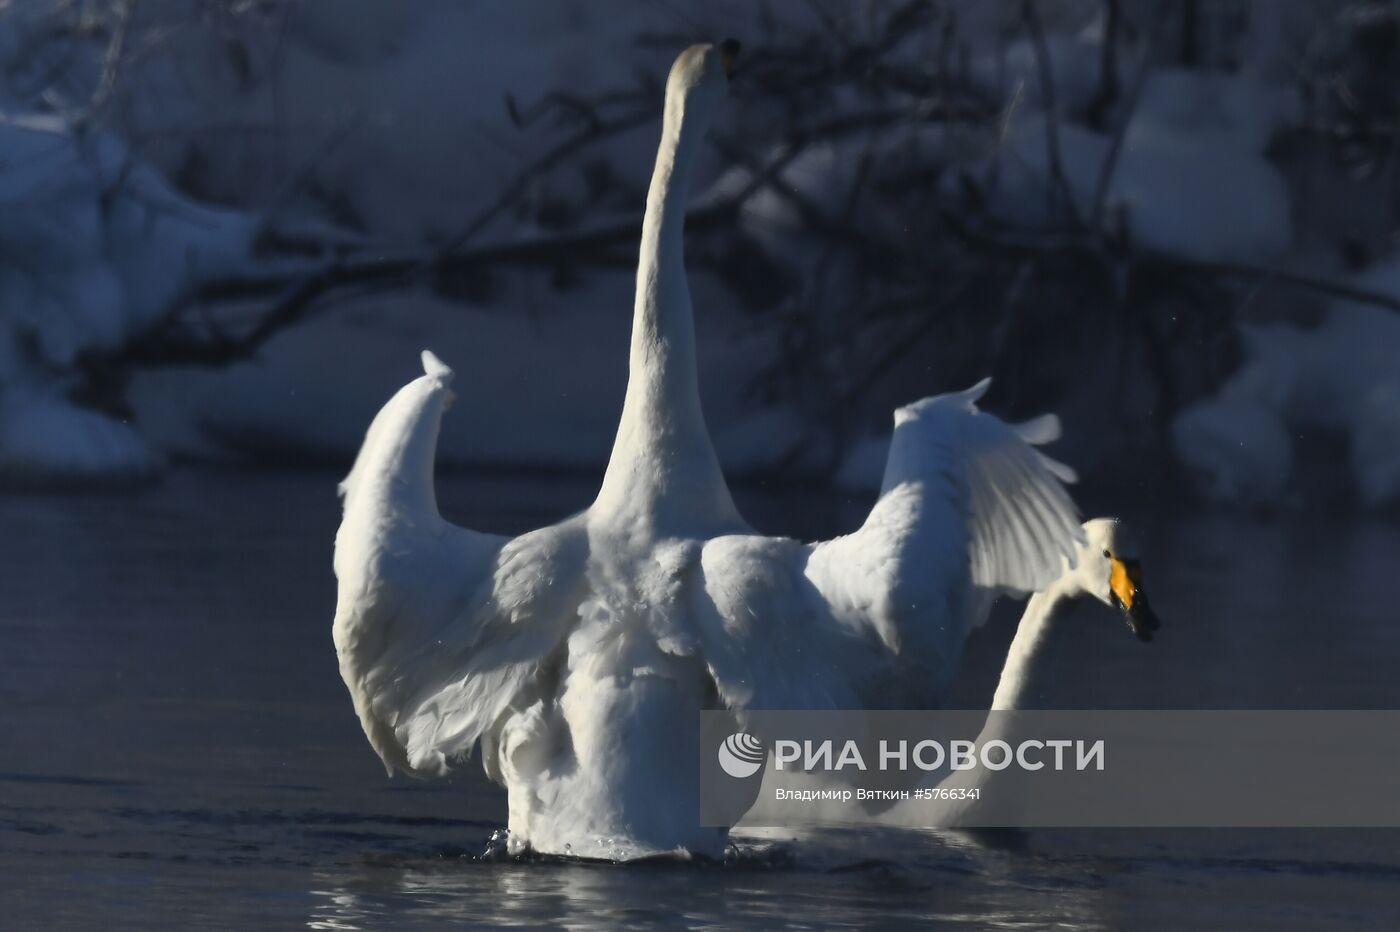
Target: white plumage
[[579, 655]]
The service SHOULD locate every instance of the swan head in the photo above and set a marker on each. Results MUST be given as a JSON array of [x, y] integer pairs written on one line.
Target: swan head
[[699, 81], [1108, 569]]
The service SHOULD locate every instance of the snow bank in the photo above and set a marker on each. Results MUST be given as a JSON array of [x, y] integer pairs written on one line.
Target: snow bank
[[45, 438], [1342, 377], [821, 177], [539, 381], [1190, 179], [1236, 449], [1013, 73], [1242, 110], [394, 116], [391, 119], [95, 246]]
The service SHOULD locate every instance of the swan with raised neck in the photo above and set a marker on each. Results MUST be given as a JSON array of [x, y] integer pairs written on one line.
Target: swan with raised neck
[[576, 656], [663, 476], [1106, 568]]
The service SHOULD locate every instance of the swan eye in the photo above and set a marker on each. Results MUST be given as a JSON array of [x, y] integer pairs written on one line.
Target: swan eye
[[1107, 554]]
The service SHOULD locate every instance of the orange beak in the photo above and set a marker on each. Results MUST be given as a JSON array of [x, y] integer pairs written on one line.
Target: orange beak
[[1125, 585]]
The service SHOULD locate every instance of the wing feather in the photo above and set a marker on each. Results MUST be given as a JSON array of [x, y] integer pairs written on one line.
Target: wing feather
[[438, 628], [968, 509]]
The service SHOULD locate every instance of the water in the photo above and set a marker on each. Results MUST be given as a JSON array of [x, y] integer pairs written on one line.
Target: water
[[176, 748]]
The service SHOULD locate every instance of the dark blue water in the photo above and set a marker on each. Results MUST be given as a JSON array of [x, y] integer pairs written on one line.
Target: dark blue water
[[176, 748]]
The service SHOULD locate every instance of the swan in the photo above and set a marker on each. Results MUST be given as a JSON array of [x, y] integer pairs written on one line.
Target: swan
[[578, 655], [1107, 569]]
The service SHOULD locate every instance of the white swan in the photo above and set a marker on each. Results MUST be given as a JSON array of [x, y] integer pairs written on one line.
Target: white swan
[[1107, 569], [578, 655]]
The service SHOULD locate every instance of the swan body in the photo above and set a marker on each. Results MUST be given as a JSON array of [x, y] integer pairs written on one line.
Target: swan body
[[578, 655]]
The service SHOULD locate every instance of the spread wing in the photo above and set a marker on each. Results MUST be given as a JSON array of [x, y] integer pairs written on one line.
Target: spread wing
[[767, 637], [438, 628], [968, 509]]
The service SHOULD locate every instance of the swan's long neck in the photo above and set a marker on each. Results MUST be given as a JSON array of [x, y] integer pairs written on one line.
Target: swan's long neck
[[663, 467], [1023, 677], [1026, 672]]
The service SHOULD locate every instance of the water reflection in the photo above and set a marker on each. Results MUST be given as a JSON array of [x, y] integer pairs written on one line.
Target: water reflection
[[836, 877]]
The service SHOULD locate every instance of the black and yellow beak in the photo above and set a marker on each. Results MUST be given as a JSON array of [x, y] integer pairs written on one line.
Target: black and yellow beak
[[1125, 588], [728, 54]]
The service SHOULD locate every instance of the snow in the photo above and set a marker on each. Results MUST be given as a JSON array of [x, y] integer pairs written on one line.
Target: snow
[[1341, 377], [1201, 196], [822, 176], [45, 438], [1190, 178], [541, 389], [1199, 191], [1014, 73], [94, 247], [391, 120], [1236, 449], [1238, 109], [395, 115]]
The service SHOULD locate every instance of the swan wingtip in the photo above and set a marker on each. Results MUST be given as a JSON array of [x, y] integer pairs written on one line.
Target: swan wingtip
[[974, 394], [434, 366]]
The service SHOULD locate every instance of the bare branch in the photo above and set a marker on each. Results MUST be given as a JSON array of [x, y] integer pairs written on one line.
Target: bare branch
[[1108, 63], [1052, 120], [1115, 148], [594, 132], [1014, 244]]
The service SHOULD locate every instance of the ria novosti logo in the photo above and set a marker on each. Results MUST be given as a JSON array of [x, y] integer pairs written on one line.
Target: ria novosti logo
[[741, 755]]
